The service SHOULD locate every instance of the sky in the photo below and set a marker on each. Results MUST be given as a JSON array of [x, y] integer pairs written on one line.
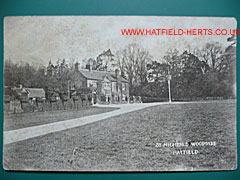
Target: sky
[[38, 39]]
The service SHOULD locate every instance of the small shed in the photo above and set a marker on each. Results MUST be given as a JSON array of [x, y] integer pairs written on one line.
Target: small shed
[[35, 93]]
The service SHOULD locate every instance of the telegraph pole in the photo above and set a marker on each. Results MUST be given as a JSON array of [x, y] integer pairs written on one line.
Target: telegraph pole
[[169, 88], [169, 77]]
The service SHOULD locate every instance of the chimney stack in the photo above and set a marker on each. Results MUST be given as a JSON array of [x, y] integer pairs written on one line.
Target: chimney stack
[[90, 61], [76, 66], [90, 67]]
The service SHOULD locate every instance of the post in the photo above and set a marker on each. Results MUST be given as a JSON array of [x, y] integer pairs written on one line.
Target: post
[[169, 77], [169, 90], [68, 89]]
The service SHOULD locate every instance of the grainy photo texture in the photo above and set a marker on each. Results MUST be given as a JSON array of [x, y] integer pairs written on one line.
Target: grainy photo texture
[[119, 93]]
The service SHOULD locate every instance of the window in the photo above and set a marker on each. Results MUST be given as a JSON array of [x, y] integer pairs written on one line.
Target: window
[[114, 86], [123, 86]]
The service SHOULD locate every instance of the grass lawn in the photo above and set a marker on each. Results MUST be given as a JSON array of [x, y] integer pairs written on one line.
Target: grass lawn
[[17, 121], [128, 142]]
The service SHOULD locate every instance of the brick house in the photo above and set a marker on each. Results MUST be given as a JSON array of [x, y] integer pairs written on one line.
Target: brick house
[[106, 86]]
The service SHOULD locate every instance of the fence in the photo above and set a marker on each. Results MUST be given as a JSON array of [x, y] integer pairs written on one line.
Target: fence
[[47, 105]]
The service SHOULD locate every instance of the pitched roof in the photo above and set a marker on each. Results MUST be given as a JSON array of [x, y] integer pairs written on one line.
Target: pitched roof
[[99, 75], [123, 79], [107, 53], [35, 92]]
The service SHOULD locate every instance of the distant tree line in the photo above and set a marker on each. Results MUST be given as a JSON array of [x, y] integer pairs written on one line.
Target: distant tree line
[[205, 72], [201, 73], [55, 80]]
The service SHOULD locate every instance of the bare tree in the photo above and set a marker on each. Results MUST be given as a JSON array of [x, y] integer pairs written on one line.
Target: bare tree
[[132, 61], [72, 63], [211, 54], [120, 62]]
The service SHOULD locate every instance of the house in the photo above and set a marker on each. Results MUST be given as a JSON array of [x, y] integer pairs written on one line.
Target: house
[[106, 86], [35, 93], [26, 94]]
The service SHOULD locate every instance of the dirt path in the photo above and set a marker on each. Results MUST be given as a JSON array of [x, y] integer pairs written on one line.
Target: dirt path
[[35, 131]]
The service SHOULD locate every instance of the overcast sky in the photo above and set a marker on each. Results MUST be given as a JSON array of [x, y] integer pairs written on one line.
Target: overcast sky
[[38, 39]]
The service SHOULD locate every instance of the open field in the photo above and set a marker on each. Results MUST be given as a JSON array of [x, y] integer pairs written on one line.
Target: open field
[[22, 120], [128, 142]]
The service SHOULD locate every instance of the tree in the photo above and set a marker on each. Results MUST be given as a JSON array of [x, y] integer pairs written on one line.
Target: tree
[[105, 61], [132, 61], [157, 84], [228, 67], [187, 73], [211, 55], [190, 81], [157, 71]]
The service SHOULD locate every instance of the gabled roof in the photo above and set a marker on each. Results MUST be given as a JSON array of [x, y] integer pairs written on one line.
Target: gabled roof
[[35, 92], [99, 75], [123, 79], [19, 91], [107, 53]]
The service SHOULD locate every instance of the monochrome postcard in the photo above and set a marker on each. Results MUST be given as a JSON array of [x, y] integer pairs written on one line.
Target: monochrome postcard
[[119, 93]]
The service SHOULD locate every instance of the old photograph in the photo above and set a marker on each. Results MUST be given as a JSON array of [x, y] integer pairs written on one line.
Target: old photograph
[[119, 93]]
